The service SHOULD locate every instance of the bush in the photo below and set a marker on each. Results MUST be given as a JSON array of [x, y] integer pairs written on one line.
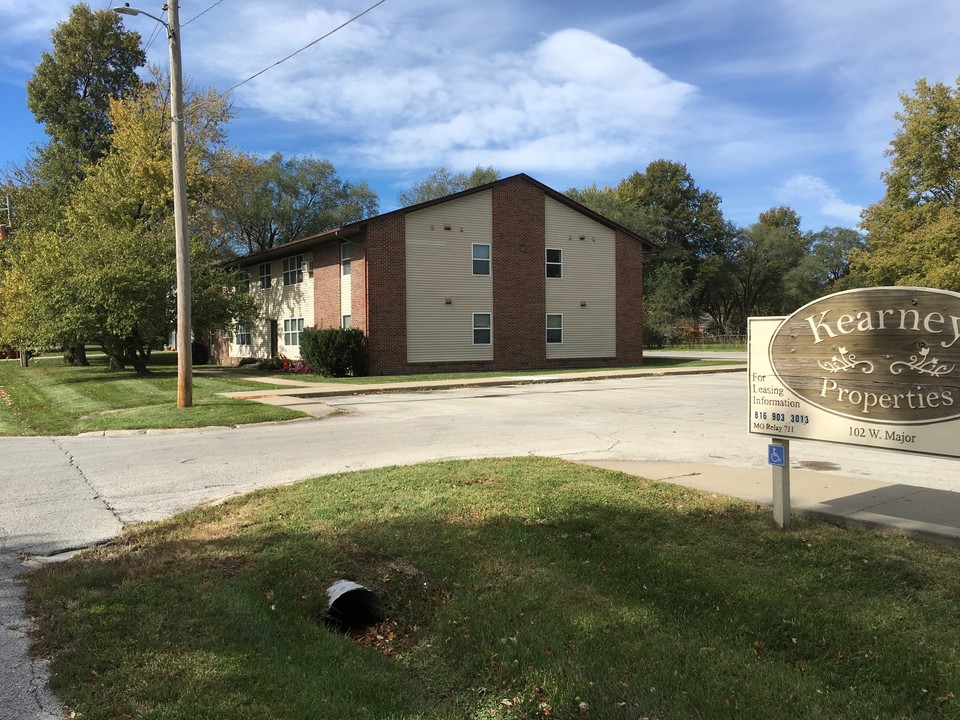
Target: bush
[[274, 364], [653, 338], [334, 352]]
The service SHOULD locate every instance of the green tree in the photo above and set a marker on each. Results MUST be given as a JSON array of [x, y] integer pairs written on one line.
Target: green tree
[[265, 203], [783, 216], [763, 257], [108, 273], [914, 231], [441, 182], [685, 220], [826, 266], [94, 60], [607, 202]]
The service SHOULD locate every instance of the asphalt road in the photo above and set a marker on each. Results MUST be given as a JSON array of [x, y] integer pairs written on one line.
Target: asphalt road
[[68, 492]]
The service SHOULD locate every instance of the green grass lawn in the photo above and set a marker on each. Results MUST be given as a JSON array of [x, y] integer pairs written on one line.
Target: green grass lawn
[[518, 588], [51, 398]]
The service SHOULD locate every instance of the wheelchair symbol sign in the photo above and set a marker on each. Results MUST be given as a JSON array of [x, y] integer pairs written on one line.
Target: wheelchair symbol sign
[[776, 455]]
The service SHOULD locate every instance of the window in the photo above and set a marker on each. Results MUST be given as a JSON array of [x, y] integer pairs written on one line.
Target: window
[[243, 280], [346, 322], [291, 331], [481, 258], [554, 263], [293, 270], [345, 259], [265, 276], [241, 334], [554, 329], [481, 329]]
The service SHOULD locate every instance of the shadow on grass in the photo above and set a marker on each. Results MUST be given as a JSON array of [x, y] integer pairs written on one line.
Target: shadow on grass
[[641, 600]]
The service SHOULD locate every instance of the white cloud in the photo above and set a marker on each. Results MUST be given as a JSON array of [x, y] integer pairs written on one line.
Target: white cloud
[[571, 99], [802, 191]]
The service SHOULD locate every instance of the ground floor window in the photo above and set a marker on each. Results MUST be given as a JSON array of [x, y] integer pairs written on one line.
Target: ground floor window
[[482, 327], [346, 322], [241, 334], [554, 329], [291, 331]]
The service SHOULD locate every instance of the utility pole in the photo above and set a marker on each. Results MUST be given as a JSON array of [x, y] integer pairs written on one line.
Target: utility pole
[[184, 289]]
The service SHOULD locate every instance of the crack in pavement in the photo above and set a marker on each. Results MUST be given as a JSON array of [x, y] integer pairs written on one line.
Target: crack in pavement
[[24, 677], [97, 495]]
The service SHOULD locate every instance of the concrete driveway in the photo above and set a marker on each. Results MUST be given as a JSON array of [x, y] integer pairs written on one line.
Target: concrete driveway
[[67, 492]]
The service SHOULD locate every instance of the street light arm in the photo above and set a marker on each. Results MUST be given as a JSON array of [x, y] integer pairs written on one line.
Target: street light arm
[[127, 10]]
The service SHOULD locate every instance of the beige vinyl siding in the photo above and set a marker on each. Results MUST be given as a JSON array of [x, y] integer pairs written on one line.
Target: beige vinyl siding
[[439, 254], [280, 302], [589, 276]]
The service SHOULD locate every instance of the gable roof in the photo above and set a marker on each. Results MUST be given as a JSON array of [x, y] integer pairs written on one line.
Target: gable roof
[[346, 232]]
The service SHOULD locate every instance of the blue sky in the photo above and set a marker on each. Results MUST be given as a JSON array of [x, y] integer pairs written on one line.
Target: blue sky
[[766, 102]]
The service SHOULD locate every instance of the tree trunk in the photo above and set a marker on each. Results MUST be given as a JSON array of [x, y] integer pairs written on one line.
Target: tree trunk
[[136, 356], [76, 355], [79, 353]]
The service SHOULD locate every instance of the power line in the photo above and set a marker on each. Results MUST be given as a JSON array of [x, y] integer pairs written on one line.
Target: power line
[[153, 37], [311, 44], [182, 25]]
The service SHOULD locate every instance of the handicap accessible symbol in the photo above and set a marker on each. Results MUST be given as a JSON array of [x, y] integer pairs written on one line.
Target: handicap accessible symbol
[[775, 455]]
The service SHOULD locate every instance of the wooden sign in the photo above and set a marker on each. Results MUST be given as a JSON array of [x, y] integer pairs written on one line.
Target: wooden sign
[[876, 366]]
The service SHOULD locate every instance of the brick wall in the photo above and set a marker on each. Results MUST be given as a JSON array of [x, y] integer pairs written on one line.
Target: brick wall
[[519, 304], [385, 271], [629, 254], [359, 317], [220, 348], [326, 284]]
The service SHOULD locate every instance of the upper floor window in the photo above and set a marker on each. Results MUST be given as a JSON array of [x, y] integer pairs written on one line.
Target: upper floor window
[[265, 280], [345, 259], [481, 258], [554, 263], [293, 270]]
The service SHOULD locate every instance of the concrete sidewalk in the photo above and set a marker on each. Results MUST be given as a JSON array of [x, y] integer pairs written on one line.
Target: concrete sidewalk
[[921, 513]]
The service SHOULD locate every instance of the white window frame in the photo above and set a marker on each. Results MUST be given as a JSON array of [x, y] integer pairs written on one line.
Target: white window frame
[[558, 264], [293, 270], [548, 328], [345, 256], [266, 276], [241, 335], [346, 322], [488, 329], [243, 280], [488, 259], [292, 328]]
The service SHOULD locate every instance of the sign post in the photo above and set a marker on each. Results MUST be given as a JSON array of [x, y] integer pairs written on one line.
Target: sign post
[[778, 455]]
